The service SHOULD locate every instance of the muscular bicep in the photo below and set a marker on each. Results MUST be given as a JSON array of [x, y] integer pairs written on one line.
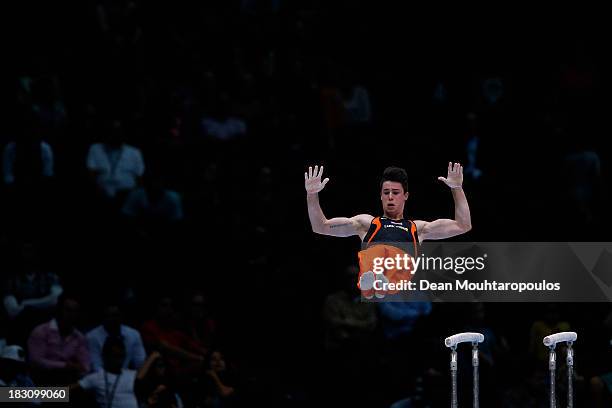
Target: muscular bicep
[[439, 229], [346, 227]]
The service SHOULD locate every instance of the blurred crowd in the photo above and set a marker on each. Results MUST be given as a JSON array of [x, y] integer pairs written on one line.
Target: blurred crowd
[[152, 212]]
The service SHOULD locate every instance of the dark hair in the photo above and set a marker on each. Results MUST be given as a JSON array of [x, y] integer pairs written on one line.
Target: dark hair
[[396, 174], [111, 343], [64, 297], [111, 301], [208, 358]]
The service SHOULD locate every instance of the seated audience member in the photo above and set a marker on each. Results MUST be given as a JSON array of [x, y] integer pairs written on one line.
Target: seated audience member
[[492, 352], [400, 318], [584, 182], [28, 160], [550, 324], [113, 385], [494, 346], [349, 336], [201, 327], [356, 102], [14, 373], [162, 334], [13, 368], [157, 388], [601, 390], [221, 125], [400, 321], [348, 320], [115, 166], [472, 147], [58, 351], [112, 327], [153, 202], [219, 384], [48, 103], [537, 369], [30, 296], [601, 384]]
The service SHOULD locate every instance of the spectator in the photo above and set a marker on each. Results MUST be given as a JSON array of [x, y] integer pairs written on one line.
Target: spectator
[[112, 327], [601, 389], [219, 385], [356, 102], [57, 350], [440, 93], [119, 22], [220, 124], [473, 141], [113, 385], [13, 368], [347, 109], [201, 327], [28, 160], [494, 346], [331, 102], [551, 323], [153, 202], [491, 353], [492, 90], [601, 384], [115, 166], [47, 101], [349, 337], [578, 79], [31, 295], [399, 319], [584, 182], [157, 388], [348, 320], [162, 334]]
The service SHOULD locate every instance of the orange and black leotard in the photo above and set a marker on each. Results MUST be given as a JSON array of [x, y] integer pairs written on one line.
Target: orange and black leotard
[[396, 232], [387, 238]]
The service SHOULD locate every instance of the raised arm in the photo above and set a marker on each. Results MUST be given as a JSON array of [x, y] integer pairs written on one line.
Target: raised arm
[[462, 223], [144, 370], [336, 227]]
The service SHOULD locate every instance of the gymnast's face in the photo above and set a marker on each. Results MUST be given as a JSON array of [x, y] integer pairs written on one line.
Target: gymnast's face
[[393, 199]]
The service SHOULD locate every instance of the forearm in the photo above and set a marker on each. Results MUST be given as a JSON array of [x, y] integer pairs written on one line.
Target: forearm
[[41, 303], [315, 213], [223, 390], [144, 370], [179, 352], [462, 209], [46, 301]]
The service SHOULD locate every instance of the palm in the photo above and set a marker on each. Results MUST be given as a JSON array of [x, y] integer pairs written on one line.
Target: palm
[[454, 177], [313, 181]]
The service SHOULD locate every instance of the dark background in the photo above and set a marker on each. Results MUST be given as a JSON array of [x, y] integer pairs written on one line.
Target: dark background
[[245, 239]]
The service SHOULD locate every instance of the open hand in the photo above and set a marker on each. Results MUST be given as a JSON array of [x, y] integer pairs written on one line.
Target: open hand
[[454, 178], [313, 181]]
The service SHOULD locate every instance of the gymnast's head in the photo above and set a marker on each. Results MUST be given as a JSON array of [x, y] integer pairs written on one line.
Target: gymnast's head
[[394, 192]]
